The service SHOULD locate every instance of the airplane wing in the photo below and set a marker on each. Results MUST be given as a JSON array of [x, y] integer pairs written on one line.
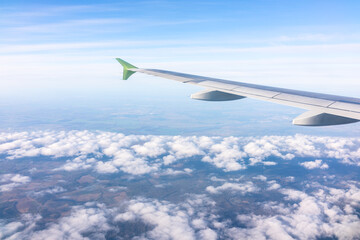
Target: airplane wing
[[323, 109]]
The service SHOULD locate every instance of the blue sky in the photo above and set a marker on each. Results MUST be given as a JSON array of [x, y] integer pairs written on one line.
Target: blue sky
[[61, 53]]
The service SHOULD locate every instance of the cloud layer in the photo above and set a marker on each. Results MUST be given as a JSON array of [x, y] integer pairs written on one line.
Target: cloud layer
[[327, 212], [107, 152], [262, 207], [310, 214]]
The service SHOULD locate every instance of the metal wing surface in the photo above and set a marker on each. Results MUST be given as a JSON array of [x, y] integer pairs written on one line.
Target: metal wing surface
[[323, 109]]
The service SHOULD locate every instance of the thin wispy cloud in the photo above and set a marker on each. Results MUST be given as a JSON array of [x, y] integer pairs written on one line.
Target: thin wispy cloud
[[10, 181], [98, 31], [72, 25]]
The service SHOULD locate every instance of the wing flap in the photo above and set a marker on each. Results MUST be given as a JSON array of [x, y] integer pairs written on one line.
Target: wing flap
[[218, 85], [304, 100], [254, 91], [346, 106]]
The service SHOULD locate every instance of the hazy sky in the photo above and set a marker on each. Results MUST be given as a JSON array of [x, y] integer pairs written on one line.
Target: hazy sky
[[63, 51], [86, 154]]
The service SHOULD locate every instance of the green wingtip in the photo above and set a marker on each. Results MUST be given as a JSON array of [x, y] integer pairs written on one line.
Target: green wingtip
[[127, 66]]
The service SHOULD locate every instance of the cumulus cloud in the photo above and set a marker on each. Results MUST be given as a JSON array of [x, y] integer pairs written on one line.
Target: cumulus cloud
[[208, 234], [243, 188], [11, 181], [9, 228], [226, 155], [188, 220], [183, 147], [20, 229], [315, 164], [77, 163], [327, 212], [216, 179], [260, 177], [324, 212], [83, 222], [107, 152], [169, 221], [105, 167], [191, 219], [152, 148], [273, 185]]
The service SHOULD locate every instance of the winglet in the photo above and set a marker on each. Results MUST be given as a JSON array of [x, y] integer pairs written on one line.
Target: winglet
[[127, 68]]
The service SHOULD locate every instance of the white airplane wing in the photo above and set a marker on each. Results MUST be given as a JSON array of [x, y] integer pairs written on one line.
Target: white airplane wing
[[323, 109]]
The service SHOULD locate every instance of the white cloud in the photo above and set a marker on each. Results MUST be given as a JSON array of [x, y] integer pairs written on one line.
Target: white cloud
[[260, 177], [169, 221], [290, 179], [216, 179], [269, 163], [18, 229], [56, 189], [77, 163], [76, 25], [92, 221], [327, 212], [208, 234], [117, 189], [152, 148], [9, 229], [107, 152], [191, 219], [188, 220], [183, 147], [106, 167], [243, 188], [273, 185], [323, 212], [83, 222], [226, 155], [227, 159], [10, 181], [314, 164], [171, 171]]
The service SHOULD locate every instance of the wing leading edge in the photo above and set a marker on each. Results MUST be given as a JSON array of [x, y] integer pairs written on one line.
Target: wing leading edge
[[323, 109]]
